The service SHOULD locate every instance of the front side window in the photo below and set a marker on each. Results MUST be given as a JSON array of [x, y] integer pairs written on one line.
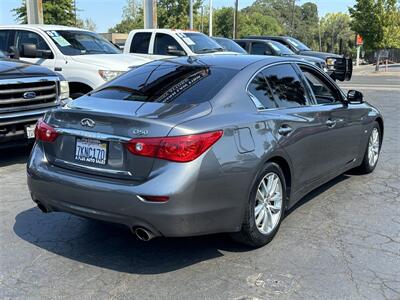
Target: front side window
[[81, 42], [286, 86], [28, 37], [162, 42], [260, 49], [324, 93], [140, 42], [167, 82]]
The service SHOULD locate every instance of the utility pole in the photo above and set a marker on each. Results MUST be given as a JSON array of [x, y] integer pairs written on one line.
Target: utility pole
[[319, 34], [191, 14], [235, 19], [75, 13], [34, 11], [201, 18], [292, 26], [210, 19], [150, 14]]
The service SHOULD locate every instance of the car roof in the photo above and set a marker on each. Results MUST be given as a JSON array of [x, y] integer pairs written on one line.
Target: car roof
[[43, 27], [165, 30], [254, 40], [228, 61]]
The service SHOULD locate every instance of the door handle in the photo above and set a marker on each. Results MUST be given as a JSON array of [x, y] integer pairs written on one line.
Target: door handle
[[285, 130], [330, 123]]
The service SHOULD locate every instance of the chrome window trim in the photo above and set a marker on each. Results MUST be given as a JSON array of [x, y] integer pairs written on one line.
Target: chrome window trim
[[252, 97], [29, 79]]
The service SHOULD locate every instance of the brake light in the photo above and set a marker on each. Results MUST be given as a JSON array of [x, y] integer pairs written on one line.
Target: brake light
[[182, 148], [44, 132]]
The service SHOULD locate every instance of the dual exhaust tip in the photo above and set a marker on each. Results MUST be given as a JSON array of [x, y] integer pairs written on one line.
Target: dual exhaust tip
[[141, 233]]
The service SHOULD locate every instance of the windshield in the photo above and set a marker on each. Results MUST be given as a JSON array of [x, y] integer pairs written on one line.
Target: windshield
[[81, 42], [2, 55], [230, 45], [199, 42], [280, 49], [297, 44]]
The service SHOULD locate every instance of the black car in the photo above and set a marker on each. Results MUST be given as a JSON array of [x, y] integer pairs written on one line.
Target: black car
[[229, 45], [268, 47], [339, 67]]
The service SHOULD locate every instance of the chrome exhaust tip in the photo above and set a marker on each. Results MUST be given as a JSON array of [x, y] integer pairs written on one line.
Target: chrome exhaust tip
[[143, 234]]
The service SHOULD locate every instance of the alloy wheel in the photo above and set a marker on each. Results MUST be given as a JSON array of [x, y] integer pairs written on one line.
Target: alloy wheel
[[268, 204], [373, 147]]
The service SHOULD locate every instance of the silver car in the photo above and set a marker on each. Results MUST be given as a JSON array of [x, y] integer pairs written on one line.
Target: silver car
[[200, 145]]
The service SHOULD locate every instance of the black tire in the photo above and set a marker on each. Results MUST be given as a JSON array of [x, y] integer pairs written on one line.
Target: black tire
[[366, 167], [249, 233]]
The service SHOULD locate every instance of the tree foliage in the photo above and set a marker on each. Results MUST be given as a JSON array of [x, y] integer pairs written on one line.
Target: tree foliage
[[336, 27], [60, 12], [378, 22]]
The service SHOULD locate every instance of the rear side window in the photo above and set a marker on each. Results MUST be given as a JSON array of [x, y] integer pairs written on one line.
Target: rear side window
[[6, 41], [161, 43], [241, 44], [260, 49], [286, 86], [260, 89], [140, 42], [167, 82]]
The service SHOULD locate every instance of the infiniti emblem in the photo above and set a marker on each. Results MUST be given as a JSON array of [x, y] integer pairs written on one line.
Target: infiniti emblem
[[88, 122], [29, 95]]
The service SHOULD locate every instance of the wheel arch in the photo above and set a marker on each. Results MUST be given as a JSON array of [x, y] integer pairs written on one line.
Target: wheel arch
[[286, 170], [379, 120], [76, 86]]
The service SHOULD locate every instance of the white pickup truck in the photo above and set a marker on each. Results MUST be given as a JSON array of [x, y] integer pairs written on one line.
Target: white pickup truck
[[84, 58], [162, 43]]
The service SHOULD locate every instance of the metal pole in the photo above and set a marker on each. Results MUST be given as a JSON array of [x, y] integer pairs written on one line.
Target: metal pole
[[201, 19], [150, 14], [319, 35], [75, 12], [210, 22], [292, 29], [235, 19], [34, 11], [191, 14], [358, 56]]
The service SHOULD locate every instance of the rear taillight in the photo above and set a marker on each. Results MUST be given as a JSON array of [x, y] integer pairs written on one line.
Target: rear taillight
[[44, 132], [182, 148]]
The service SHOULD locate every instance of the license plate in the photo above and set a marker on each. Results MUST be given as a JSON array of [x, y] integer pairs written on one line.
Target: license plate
[[30, 131], [90, 150]]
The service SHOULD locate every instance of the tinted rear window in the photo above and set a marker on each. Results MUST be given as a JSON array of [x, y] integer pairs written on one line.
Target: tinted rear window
[[140, 42], [167, 82]]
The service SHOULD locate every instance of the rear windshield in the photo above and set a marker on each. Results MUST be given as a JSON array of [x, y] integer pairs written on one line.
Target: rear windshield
[[167, 82]]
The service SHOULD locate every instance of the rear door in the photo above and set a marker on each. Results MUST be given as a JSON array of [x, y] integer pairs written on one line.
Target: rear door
[[299, 126]]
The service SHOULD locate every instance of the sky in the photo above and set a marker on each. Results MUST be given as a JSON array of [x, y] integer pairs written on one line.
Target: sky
[[107, 13]]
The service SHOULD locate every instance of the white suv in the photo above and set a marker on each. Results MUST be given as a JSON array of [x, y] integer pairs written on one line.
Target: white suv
[[84, 58], [162, 43]]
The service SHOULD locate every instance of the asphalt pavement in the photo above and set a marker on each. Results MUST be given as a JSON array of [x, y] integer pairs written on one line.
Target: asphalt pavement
[[342, 241]]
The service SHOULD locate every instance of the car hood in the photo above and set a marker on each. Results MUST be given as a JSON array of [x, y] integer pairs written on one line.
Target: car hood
[[10, 69], [309, 58], [115, 62], [323, 55]]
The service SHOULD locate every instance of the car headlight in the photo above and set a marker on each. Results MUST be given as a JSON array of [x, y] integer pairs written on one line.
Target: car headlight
[[64, 90], [330, 61], [107, 75]]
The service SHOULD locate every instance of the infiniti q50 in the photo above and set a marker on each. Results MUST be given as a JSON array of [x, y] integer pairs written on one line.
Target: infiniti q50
[[201, 145]]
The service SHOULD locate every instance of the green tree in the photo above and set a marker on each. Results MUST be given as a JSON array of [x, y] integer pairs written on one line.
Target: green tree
[[255, 23], [378, 22], [336, 27], [60, 12], [132, 18], [223, 22]]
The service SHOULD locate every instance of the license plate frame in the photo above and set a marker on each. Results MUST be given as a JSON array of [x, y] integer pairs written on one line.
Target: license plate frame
[[92, 151]]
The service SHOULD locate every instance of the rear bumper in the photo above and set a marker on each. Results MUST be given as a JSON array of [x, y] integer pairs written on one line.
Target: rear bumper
[[193, 208]]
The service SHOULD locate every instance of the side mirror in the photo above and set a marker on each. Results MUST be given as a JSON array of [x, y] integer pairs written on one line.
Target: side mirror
[[29, 50], [354, 96], [173, 50]]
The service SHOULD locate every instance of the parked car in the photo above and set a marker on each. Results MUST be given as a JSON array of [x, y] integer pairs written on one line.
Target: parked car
[[164, 43], [84, 58], [229, 45], [339, 67], [267, 47], [183, 147], [26, 92]]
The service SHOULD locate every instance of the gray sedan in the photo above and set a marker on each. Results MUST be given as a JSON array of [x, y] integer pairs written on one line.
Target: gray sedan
[[200, 145]]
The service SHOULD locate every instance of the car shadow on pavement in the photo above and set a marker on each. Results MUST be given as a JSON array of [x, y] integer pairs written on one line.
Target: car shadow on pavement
[[11, 156], [113, 247]]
